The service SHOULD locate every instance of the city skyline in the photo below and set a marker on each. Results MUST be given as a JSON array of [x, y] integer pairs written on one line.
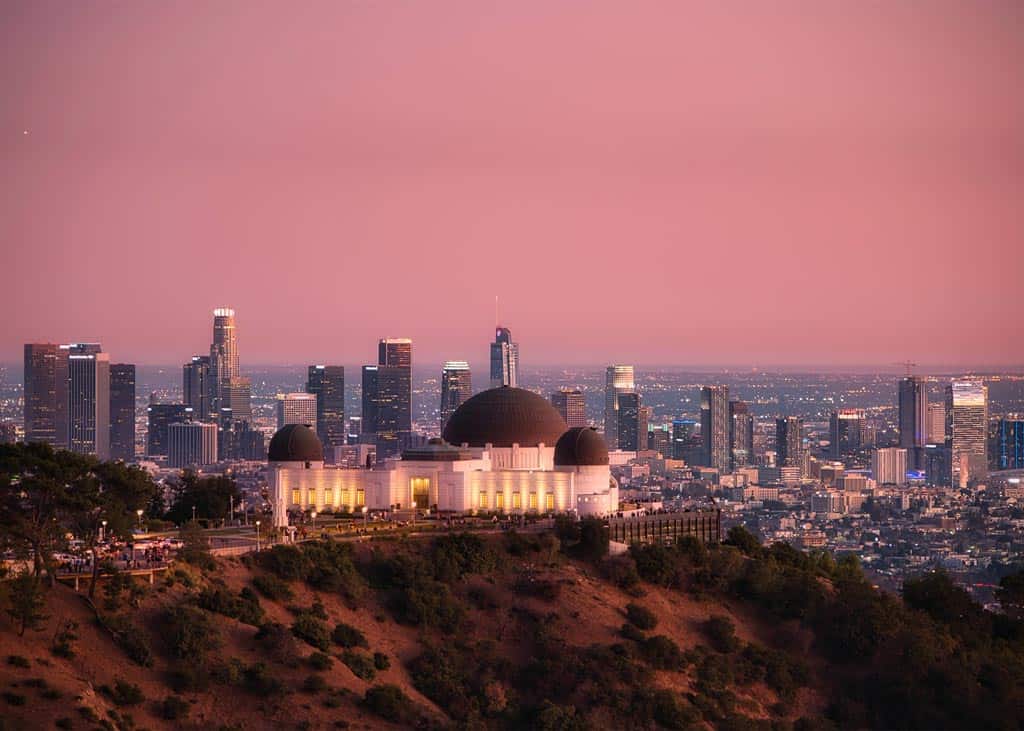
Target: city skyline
[[874, 154]]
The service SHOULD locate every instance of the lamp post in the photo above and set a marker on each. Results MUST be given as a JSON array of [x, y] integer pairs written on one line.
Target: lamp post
[[231, 508], [257, 536], [313, 516], [193, 513], [103, 530], [139, 513], [365, 517]]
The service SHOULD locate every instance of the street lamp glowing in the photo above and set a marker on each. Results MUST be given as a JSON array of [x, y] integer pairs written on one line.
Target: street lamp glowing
[[139, 513], [257, 536]]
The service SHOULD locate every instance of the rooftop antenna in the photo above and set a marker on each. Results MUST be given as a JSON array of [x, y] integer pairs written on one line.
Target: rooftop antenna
[[497, 320]]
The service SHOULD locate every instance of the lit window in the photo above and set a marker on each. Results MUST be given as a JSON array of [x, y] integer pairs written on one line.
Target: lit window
[[360, 497], [483, 499], [549, 501], [499, 500], [533, 501], [517, 500], [296, 499]]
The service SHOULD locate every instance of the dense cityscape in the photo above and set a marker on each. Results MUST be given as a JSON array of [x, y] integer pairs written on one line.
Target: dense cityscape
[[908, 472]]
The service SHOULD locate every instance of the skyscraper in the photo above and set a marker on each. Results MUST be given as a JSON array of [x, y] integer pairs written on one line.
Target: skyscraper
[[936, 430], [967, 429], [198, 386], [913, 412], [889, 466], [46, 394], [122, 411], [88, 399], [789, 442], [1008, 452], [504, 359], [296, 408], [618, 380], [456, 387], [741, 434], [191, 444], [159, 418], [571, 405], [682, 436], [845, 427], [387, 395], [230, 390], [632, 426], [714, 425], [328, 383]]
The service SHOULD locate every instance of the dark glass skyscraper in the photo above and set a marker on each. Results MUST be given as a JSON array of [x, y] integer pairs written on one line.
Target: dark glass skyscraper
[[122, 411], [159, 419], [683, 431], [1008, 452], [198, 386], [714, 425], [328, 383], [387, 395], [504, 359], [456, 387], [913, 413], [789, 442], [632, 427], [845, 426], [88, 399], [46, 394]]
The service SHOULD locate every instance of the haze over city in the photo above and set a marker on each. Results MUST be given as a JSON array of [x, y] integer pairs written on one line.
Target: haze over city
[[698, 184]]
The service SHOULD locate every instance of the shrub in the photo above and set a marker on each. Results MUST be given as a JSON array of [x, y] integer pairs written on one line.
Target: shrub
[[278, 643], [721, 634], [245, 607], [131, 639], [14, 699], [62, 639], [641, 616], [662, 653], [190, 633], [272, 587], [18, 661], [320, 661], [621, 571], [656, 564], [64, 722], [454, 556], [348, 636], [312, 631], [360, 664], [390, 703], [545, 589], [381, 661], [286, 562], [631, 632], [174, 708], [258, 681], [124, 693], [314, 684]]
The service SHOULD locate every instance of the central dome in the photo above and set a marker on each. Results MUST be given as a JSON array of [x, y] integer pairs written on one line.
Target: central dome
[[503, 417], [295, 443]]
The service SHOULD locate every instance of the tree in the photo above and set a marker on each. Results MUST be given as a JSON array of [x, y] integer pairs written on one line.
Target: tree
[[210, 496], [26, 601], [1011, 594]]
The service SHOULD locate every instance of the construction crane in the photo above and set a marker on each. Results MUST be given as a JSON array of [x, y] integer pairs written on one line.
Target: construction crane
[[908, 364]]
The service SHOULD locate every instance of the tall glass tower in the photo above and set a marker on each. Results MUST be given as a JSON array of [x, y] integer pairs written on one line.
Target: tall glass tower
[[967, 429], [504, 359], [456, 387], [618, 379]]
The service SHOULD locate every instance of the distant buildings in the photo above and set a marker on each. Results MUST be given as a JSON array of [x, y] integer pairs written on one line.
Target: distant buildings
[[159, 418], [122, 411], [683, 432], [387, 396], [789, 443], [46, 394], [456, 387], [936, 429], [198, 386], [327, 383], [192, 444], [967, 429], [618, 381], [845, 428], [571, 404], [632, 426], [889, 466], [715, 426], [741, 435], [231, 392], [88, 399], [913, 416], [1008, 450], [296, 408], [504, 359]]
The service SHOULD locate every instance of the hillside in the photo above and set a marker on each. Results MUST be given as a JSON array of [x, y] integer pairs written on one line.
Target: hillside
[[511, 631]]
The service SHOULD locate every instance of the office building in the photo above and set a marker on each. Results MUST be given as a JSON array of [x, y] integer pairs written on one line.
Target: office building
[[198, 386], [8, 432], [46, 394], [659, 439], [632, 426], [296, 408], [789, 443], [387, 396], [936, 428], [683, 432], [913, 412], [618, 380], [88, 399], [889, 466], [456, 387], [715, 427], [504, 359], [570, 403], [1008, 449], [845, 429], [741, 435], [937, 465], [191, 444], [328, 384], [967, 430], [122, 411], [159, 418], [223, 351]]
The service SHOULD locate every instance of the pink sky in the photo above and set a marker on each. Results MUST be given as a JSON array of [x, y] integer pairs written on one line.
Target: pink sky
[[678, 182]]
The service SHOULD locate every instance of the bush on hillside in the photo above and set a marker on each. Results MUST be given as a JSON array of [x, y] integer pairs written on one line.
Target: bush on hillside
[[391, 704], [721, 633], [348, 636], [641, 616], [312, 631], [272, 587]]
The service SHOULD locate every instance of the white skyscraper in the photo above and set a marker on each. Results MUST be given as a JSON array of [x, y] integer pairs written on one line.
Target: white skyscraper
[[618, 380], [191, 444], [889, 466], [296, 408], [967, 429]]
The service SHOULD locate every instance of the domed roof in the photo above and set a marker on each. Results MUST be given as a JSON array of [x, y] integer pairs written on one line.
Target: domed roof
[[581, 445], [502, 417], [295, 443]]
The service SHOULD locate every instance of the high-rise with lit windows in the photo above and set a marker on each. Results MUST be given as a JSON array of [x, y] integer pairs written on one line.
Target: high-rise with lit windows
[[967, 429], [571, 404], [46, 394], [122, 411], [714, 425], [618, 380], [504, 359], [327, 382], [456, 387], [88, 399]]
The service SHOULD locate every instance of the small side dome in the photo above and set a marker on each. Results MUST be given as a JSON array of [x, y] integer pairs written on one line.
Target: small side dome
[[579, 446], [295, 443]]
